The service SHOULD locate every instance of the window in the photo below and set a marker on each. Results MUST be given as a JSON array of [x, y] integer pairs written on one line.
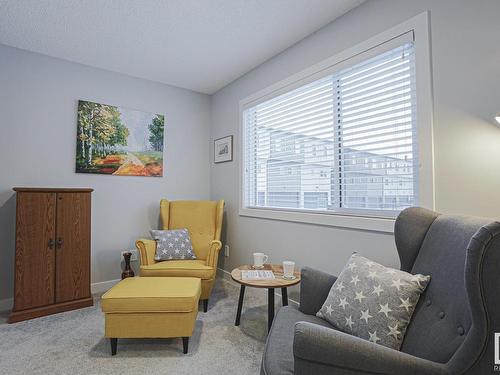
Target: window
[[316, 200], [349, 133]]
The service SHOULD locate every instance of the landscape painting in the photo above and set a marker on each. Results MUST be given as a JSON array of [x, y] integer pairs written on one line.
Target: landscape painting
[[118, 141]]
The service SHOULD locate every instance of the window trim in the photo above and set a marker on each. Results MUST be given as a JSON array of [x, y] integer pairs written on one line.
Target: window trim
[[378, 221]]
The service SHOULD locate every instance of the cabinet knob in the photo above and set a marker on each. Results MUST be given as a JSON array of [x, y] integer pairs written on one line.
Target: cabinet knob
[[51, 243], [59, 242]]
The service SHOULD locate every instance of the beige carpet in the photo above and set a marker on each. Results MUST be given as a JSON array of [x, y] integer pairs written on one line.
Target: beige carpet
[[72, 342]]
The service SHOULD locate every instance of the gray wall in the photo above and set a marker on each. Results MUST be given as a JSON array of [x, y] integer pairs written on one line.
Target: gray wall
[[38, 102], [466, 85]]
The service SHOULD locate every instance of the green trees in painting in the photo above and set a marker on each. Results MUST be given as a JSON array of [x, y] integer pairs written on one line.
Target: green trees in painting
[[156, 132], [100, 131]]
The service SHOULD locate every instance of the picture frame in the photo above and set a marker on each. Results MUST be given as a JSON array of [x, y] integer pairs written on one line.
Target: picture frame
[[223, 149], [118, 141]]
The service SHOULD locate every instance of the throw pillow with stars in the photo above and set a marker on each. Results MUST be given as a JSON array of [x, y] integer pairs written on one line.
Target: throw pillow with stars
[[373, 302]]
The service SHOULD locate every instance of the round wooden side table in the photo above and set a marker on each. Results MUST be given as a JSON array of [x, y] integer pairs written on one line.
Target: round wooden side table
[[270, 285]]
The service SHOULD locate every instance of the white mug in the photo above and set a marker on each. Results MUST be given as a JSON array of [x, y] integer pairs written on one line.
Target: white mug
[[259, 259], [288, 268]]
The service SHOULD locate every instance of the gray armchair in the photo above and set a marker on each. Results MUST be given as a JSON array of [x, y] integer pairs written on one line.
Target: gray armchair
[[452, 328]]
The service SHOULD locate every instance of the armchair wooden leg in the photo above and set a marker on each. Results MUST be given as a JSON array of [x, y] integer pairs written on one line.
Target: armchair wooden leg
[[205, 305], [114, 344], [185, 344]]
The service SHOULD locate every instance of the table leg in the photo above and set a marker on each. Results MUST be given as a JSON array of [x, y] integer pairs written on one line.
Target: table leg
[[270, 307], [284, 296], [240, 305]]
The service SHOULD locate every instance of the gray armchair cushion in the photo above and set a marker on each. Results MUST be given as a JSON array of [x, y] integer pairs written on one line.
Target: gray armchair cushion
[[320, 350], [278, 355]]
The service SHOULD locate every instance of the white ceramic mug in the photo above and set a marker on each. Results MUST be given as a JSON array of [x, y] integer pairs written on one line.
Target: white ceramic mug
[[288, 269], [259, 259]]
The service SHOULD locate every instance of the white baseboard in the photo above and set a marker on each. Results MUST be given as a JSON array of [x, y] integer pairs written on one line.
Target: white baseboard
[[224, 274], [227, 276], [103, 286]]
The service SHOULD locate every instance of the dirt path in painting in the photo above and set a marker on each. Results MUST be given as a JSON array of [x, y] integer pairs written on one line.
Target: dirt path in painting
[[131, 166]]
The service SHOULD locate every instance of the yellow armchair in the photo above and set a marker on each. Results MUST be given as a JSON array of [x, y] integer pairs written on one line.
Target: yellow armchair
[[203, 219]]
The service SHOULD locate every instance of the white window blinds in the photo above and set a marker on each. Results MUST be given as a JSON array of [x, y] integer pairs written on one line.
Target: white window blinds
[[345, 142]]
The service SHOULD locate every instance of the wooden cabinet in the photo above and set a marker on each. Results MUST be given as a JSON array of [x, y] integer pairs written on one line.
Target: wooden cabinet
[[52, 261]]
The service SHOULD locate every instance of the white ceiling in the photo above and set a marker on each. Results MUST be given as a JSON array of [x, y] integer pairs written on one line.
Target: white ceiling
[[200, 45]]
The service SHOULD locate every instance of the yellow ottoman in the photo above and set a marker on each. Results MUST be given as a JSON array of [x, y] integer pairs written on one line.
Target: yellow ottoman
[[153, 307]]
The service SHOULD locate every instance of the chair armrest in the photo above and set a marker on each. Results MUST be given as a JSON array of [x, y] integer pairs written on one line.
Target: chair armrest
[[314, 288], [213, 253], [317, 347], [147, 249]]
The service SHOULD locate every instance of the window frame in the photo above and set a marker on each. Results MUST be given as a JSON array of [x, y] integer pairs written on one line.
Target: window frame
[[371, 220]]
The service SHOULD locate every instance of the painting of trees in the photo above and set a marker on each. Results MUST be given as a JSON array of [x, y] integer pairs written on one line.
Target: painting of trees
[[119, 141]]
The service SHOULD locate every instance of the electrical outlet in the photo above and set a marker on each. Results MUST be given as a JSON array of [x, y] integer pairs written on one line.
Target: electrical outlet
[[133, 258], [226, 250]]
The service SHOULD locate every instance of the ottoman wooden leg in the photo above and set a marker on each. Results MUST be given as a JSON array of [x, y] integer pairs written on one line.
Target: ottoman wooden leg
[[205, 305], [114, 344], [185, 344]]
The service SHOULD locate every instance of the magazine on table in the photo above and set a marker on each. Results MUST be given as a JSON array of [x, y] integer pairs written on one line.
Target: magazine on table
[[257, 275]]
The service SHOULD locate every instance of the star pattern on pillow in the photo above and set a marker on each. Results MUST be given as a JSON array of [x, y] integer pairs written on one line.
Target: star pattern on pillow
[[359, 297], [366, 315], [173, 244], [355, 280], [339, 287], [349, 322], [373, 302], [343, 303], [373, 337], [377, 290]]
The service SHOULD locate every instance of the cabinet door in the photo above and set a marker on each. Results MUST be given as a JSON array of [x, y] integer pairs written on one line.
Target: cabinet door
[[35, 257], [72, 246]]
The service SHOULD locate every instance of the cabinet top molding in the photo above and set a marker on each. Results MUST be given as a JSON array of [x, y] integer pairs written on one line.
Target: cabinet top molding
[[55, 190]]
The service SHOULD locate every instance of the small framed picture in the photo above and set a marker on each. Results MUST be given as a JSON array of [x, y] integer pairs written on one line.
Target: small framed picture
[[223, 149]]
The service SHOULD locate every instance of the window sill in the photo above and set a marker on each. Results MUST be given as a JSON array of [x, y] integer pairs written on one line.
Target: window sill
[[373, 224]]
